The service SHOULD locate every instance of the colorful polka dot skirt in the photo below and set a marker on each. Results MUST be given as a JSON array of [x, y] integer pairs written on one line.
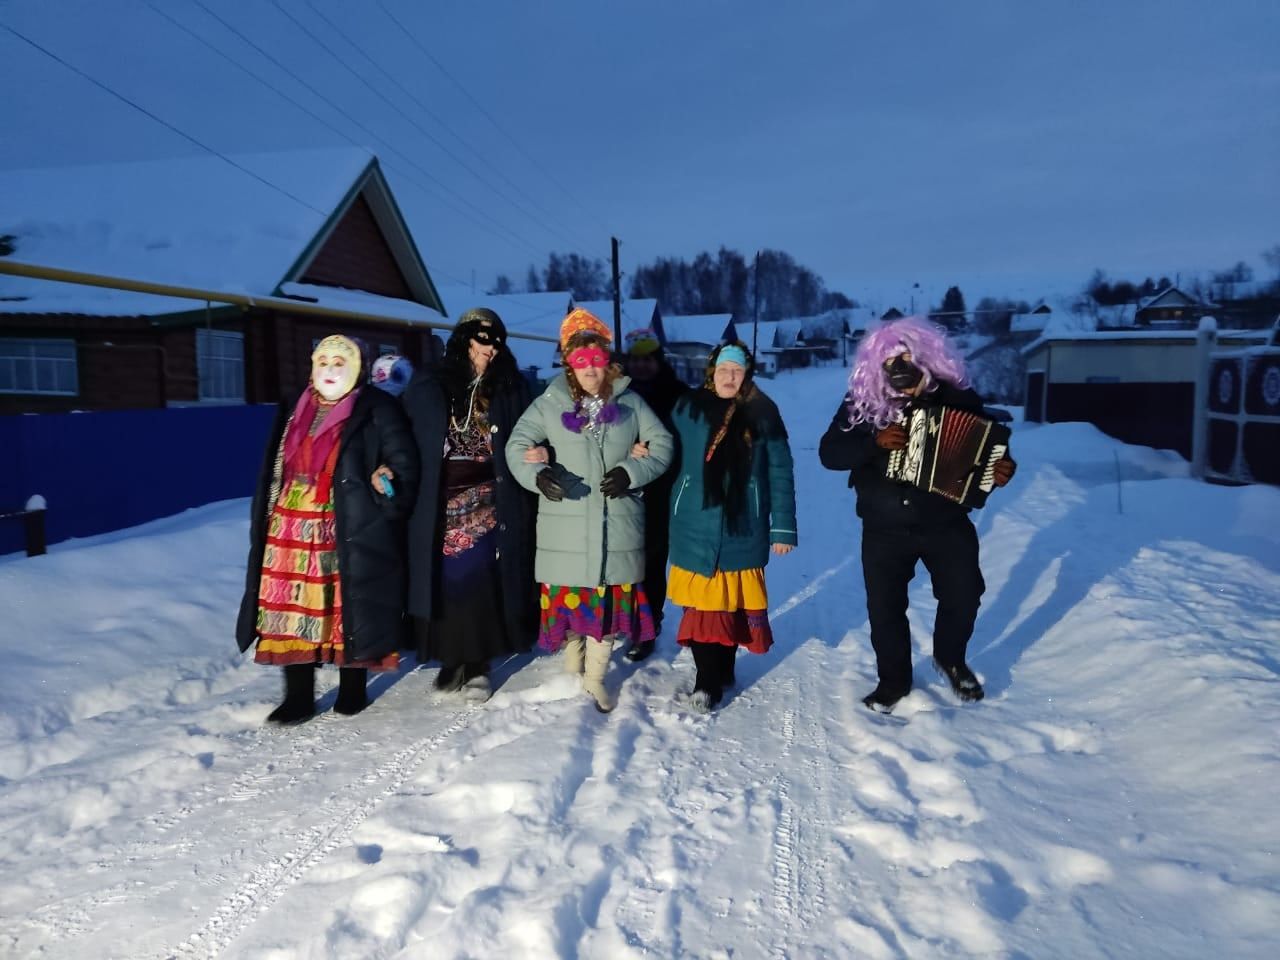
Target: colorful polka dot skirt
[[621, 609]]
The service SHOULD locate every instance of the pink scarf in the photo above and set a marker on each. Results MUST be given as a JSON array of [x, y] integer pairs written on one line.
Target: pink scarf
[[315, 456]]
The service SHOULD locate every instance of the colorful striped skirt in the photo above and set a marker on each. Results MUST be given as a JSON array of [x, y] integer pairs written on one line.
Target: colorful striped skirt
[[300, 593], [726, 608], [622, 610]]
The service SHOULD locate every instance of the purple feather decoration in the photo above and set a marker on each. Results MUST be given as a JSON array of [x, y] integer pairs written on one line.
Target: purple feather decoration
[[573, 420]]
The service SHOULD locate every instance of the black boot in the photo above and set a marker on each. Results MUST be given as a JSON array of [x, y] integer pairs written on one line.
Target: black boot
[[451, 678], [352, 695], [963, 682], [708, 688], [299, 696], [639, 651], [884, 698]]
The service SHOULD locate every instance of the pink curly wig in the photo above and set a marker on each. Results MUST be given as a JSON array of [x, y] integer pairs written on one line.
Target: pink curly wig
[[870, 398]]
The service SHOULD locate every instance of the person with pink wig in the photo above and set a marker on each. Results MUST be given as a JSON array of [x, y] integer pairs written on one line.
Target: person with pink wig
[[901, 365]]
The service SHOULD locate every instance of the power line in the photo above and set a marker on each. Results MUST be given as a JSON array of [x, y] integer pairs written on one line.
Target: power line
[[439, 121], [486, 114], [160, 120], [332, 53], [360, 126]]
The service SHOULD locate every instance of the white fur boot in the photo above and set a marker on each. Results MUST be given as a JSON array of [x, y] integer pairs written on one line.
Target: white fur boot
[[573, 653], [597, 663]]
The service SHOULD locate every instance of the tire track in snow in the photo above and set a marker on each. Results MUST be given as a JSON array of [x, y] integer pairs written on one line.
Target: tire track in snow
[[256, 893]]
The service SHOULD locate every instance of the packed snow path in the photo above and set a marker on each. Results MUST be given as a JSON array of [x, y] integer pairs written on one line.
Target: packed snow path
[[1112, 797]]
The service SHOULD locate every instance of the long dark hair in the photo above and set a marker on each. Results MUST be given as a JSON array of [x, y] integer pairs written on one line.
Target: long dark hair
[[456, 371]]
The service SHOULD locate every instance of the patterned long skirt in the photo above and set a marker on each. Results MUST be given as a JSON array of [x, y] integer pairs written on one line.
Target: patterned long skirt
[[726, 608], [300, 594], [468, 622], [622, 609]]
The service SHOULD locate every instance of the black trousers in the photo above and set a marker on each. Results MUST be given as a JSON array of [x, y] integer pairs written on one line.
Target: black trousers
[[657, 538], [889, 557], [715, 663]]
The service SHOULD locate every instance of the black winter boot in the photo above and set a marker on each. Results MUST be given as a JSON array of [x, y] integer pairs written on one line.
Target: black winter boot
[[352, 695], [639, 651], [963, 682], [708, 688], [883, 699], [299, 696], [451, 678]]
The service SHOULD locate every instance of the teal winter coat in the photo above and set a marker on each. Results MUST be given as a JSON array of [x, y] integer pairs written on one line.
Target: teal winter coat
[[700, 538], [587, 539]]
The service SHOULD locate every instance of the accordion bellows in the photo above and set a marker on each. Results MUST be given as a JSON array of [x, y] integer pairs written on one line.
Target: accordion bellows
[[950, 452]]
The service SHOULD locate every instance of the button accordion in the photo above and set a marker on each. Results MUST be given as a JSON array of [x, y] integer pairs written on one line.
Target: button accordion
[[950, 452]]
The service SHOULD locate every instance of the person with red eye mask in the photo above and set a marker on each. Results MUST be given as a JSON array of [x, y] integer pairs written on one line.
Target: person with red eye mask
[[590, 558]]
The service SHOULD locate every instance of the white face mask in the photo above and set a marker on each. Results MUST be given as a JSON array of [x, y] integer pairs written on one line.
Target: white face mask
[[335, 368]]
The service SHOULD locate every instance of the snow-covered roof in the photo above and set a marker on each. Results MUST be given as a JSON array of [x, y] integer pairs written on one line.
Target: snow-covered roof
[[772, 335], [636, 314], [359, 302], [244, 225], [1029, 322], [1176, 336], [705, 328], [539, 314], [1170, 296]]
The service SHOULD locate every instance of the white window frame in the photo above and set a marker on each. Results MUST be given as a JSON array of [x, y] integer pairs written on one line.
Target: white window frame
[[220, 365], [55, 373]]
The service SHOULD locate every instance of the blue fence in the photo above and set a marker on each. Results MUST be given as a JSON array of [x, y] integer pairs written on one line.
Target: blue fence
[[109, 470]]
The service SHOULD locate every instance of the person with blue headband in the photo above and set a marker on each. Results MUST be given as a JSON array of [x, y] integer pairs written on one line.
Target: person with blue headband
[[732, 506]]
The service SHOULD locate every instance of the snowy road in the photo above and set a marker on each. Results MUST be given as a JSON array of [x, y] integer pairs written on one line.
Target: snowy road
[[1112, 797]]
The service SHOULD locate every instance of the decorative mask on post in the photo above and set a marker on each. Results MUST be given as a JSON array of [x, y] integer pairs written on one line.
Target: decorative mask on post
[[391, 373], [335, 367]]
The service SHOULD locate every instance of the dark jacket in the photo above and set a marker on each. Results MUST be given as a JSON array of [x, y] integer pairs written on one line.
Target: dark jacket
[[700, 539], [370, 526], [885, 503], [427, 407], [661, 394]]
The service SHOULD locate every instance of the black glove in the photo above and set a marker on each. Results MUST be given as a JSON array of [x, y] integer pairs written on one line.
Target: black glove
[[549, 485], [616, 483]]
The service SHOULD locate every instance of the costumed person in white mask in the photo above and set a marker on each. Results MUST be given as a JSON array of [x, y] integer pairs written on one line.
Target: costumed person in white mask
[[326, 573]]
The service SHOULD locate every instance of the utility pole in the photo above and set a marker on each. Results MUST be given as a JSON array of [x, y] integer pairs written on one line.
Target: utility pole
[[617, 299], [755, 310]]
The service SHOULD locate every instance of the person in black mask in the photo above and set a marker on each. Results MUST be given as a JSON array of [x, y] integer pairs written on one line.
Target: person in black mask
[[655, 381], [908, 362], [471, 534]]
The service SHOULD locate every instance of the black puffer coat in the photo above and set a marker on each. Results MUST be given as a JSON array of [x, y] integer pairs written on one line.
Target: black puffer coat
[[427, 407], [370, 527], [885, 503]]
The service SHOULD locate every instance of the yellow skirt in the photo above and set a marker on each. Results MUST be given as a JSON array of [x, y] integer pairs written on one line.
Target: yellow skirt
[[726, 592]]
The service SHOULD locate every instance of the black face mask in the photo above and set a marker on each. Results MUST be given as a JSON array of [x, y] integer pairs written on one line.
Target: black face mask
[[487, 336], [903, 374]]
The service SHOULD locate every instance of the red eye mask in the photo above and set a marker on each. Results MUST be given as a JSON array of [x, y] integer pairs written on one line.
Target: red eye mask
[[585, 357]]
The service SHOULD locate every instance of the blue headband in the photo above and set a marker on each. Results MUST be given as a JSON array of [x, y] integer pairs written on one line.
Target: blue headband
[[732, 354]]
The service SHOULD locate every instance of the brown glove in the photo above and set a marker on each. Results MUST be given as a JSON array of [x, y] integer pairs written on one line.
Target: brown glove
[[892, 437], [1004, 470]]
